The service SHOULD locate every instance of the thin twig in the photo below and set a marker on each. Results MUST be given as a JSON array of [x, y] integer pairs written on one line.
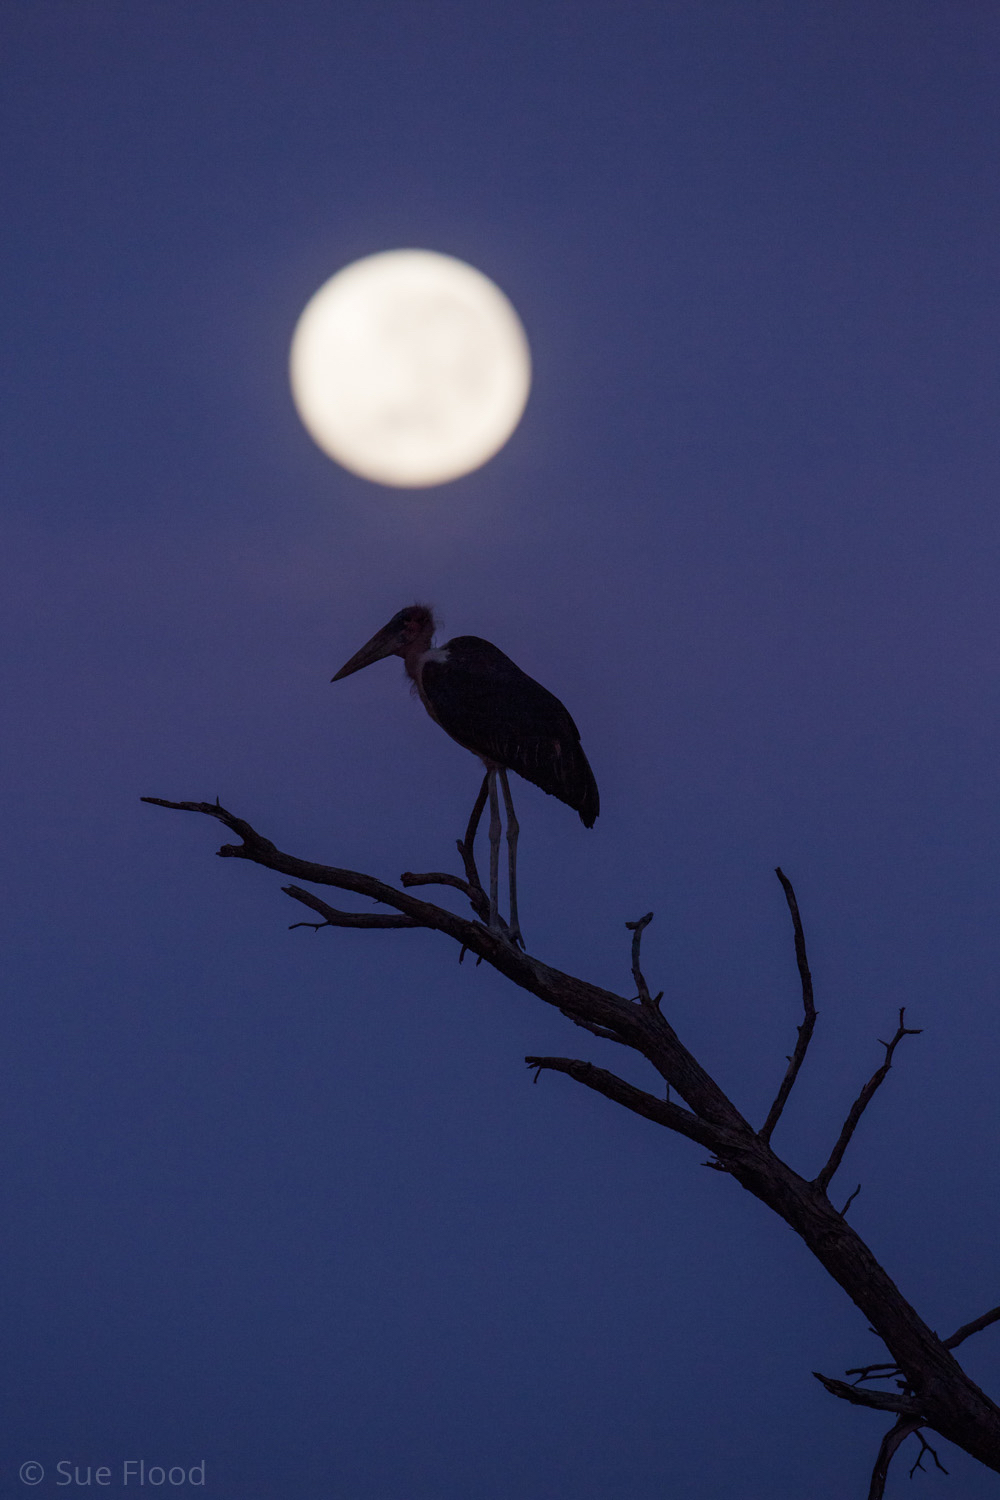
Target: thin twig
[[250, 836], [843, 1211], [862, 1101], [334, 918], [925, 1447], [873, 1372], [805, 1030], [652, 1002], [976, 1326]]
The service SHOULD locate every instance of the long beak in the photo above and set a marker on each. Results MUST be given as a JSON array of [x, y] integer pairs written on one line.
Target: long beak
[[384, 643]]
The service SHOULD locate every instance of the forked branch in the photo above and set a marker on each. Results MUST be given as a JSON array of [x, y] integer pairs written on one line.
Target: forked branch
[[334, 918], [936, 1391], [905, 1427], [894, 1439]]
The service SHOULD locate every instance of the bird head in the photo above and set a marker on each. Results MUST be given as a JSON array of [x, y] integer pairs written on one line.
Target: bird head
[[411, 629]]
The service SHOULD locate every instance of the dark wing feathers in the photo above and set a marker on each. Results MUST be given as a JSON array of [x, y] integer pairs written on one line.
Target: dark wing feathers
[[485, 702]]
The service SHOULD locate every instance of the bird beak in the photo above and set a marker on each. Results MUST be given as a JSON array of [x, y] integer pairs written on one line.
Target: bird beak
[[385, 642]]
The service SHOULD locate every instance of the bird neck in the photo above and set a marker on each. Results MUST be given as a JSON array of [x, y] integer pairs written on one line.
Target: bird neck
[[416, 649]]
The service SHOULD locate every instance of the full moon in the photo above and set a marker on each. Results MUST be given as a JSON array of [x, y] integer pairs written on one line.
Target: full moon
[[410, 368]]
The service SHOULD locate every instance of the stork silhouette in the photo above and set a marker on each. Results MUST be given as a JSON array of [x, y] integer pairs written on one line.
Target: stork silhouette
[[488, 705]]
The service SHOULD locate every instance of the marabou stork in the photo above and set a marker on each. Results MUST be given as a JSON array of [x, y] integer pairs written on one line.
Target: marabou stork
[[486, 703]]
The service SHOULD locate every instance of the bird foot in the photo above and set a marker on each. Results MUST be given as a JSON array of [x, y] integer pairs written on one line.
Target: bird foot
[[498, 928]]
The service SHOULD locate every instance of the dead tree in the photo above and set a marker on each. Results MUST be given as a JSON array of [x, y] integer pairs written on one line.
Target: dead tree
[[921, 1385]]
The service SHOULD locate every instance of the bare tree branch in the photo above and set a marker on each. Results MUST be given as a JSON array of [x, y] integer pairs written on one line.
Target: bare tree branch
[[805, 1030], [843, 1211], [577, 999], [478, 899], [897, 1435], [635, 1099], [862, 1101], [879, 1400], [873, 1372], [215, 810], [968, 1329], [334, 918], [894, 1439], [262, 851], [637, 929], [938, 1394], [436, 877], [925, 1447]]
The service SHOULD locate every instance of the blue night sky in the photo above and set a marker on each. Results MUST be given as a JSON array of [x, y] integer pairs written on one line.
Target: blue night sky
[[288, 1202]]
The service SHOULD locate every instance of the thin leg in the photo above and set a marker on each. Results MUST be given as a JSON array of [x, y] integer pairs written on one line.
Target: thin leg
[[477, 812], [466, 846], [512, 832], [491, 777]]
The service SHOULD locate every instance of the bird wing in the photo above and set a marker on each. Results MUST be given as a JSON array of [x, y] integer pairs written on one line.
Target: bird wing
[[485, 702]]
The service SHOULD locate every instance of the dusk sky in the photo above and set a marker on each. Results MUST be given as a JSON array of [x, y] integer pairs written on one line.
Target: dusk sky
[[287, 1202]]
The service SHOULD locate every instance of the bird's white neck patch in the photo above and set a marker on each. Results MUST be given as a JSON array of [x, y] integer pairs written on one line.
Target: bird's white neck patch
[[415, 668]]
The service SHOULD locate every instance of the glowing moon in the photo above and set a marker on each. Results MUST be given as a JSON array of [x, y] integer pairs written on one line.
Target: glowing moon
[[410, 368]]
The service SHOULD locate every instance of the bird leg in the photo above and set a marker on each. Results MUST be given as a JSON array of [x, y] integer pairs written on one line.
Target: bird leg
[[514, 930], [491, 777], [466, 845]]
